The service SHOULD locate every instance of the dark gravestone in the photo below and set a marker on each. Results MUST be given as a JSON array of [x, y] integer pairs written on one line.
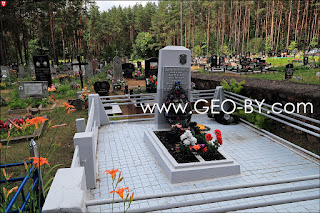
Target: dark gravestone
[[305, 60], [289, 71], [151, 67], [42, 68], [127, 69], [208, 60], [248, 54], [221, 60], [102, 88], [279, 54], [214, 61], [139, 65]]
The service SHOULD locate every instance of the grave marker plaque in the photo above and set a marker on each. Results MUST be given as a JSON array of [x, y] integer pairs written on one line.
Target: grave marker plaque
[[289, 71], [151, 67], [42, 68], [172, 70], [214, 61], [127, 69], [305, 60], [36, 89]]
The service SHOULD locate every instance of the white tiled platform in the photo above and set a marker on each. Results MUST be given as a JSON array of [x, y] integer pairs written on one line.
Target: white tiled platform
[[121, 146]]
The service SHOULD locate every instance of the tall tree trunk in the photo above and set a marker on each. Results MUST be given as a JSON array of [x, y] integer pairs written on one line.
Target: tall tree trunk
[[223, 24], [272, 22], [3, 60], [185, 30], [297, 22], [39, 32], [279, 26], [208, 28], [306, 24], [289, 24], [52, 32], [181, 37], [201, 26]]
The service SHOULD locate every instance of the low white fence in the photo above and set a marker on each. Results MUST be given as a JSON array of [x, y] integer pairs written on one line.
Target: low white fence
[[69, 189]]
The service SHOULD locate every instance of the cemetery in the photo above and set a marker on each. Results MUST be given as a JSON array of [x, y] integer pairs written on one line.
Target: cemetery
[[159, 106]]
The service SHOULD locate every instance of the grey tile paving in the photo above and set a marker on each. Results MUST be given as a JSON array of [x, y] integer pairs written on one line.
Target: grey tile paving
[[261, 159]]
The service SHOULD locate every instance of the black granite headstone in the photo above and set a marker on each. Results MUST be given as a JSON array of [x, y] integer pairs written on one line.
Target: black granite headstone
[[221, 60], [42, 68], [214, 61], [305, 60], [151, 67], [289, 71], [102, 88], [127, 69]]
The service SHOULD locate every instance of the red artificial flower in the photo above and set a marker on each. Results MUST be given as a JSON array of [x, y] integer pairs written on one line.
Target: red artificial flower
[[208, 137], [196, 147], [219, 139], [205, 149], [217, 132]]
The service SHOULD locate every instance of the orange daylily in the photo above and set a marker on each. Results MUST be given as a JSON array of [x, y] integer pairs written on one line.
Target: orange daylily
[[71, 110], [112, 172], [36, 121], [120, 191], [6, 176], [9, 192], [41, 160], [68, 106], [56, 126]]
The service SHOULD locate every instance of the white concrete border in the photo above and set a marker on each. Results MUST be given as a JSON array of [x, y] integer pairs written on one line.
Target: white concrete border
[[185, 172]]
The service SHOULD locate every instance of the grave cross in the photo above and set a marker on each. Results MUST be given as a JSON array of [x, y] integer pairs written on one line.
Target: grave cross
[[80, 71], [116, 51]]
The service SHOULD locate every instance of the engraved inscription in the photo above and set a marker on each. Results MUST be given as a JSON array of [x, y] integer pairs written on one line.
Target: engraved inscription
[[175, 74]]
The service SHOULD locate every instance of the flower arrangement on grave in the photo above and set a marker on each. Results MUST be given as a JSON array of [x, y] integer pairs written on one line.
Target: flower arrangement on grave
[[2, 85], [14, 126], [152, 81], [52, 88], [34, 165], [189, 137], [178, 99], [193, 86], [85, 94], [120, 84]]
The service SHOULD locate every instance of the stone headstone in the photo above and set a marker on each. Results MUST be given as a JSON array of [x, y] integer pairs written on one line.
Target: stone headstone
[[37, 89], [102, 88], [117, 69], [31, 70], [95, 65], [151, 67], [139, 64], [65, 67], [127, 69], [5, 72], [21, 71], [42, 68], [221, 60], [76, 67], [174, 66], [89, 70], [305, 60], [214, 61], [289, 71]]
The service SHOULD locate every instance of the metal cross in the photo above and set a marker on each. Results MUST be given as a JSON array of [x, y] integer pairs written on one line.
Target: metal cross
[[80, 71], [116, 51]]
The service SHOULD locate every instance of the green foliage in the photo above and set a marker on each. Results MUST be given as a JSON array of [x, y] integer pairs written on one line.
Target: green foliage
[[268, 44], [197, 50], [292, 46], [313, 42], [19, 103], [257, 119], [143, 46], [233, 86]]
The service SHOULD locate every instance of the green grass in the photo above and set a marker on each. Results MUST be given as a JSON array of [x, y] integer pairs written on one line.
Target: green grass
[[283, 61], [308, 76]]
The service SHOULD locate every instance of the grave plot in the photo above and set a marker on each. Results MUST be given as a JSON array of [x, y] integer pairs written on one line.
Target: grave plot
[[18, 133]]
